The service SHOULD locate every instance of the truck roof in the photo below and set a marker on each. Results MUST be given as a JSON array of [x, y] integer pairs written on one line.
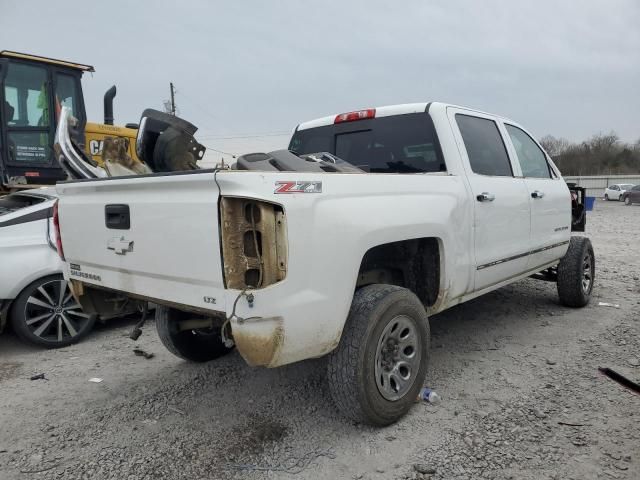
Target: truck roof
[[388, 110]]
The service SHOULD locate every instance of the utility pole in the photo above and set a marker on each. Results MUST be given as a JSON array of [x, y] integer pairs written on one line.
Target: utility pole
[[173, 100]]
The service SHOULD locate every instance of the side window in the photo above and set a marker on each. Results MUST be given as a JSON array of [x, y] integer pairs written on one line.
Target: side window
[[614, 187], [66, 93], [532, 159], [485, 148]]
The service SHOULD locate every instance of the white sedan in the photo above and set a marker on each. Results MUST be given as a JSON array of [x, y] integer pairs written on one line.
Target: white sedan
[[614, 192], [33, 295]]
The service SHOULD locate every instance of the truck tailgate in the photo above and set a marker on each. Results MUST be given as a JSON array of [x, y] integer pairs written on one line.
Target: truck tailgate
[[155, 236]]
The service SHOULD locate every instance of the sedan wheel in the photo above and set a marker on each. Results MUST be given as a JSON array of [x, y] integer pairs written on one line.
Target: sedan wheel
[[627, 201], [45, 313]]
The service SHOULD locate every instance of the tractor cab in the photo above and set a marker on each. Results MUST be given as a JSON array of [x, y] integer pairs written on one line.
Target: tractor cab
[[33, 90]]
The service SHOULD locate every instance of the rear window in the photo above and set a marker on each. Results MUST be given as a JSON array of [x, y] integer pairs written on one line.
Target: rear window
[[395, 144], [14, 202]]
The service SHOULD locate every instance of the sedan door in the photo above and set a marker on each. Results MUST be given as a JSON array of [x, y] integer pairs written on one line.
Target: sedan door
[[501, 202], [549, 196]]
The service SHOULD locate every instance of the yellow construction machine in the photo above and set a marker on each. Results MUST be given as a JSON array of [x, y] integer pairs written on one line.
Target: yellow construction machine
[[33, 89]]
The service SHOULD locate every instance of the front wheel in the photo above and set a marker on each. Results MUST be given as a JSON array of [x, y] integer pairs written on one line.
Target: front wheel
[[627, 201], [198, 345], [380, 364], [576, 273], [606, 197]]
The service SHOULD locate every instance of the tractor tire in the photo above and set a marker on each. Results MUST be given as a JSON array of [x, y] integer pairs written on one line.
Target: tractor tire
[[379, 366], [576, 273], [200, 345]]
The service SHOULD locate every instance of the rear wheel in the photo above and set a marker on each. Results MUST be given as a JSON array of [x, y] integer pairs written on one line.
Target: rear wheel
[[45, 313], [377, 370], [576, 273], [198, 345]]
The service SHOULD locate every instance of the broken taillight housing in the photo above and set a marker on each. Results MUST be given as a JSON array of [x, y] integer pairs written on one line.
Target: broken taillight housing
[[254, 243], [56, 227], [357, 115]]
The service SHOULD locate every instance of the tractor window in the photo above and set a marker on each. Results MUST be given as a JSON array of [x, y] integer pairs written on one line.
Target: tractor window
[[27, 114], [26, 95], [66, 93]]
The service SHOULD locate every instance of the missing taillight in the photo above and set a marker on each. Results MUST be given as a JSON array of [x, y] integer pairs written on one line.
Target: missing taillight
[[254, 243], [56, 228], [357, 115]]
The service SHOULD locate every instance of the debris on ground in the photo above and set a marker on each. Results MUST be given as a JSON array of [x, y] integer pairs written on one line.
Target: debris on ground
[[95, 380], [429, 396], [141, 353], [607, 304], [424, 469], [621, 379], [39, 376]]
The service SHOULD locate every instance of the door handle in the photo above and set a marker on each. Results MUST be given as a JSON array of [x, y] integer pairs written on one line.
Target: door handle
[[537, 194], [117, 217], [486, 197]]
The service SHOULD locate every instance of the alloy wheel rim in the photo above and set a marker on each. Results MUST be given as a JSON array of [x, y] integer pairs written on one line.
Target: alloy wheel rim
[[397, 359], [52, 314], [587, 273]]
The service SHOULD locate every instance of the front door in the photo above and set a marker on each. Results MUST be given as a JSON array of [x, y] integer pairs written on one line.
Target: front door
[[549, 196], [501, 199]]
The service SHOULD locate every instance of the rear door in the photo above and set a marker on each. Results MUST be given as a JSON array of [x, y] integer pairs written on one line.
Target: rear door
[[549, 196], [501, 206]]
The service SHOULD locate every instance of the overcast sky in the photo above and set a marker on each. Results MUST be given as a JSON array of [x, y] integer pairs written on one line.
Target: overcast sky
[[244, 68]]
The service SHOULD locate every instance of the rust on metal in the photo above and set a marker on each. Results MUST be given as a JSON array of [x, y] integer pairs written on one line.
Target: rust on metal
[[254, 244], [259, 341]]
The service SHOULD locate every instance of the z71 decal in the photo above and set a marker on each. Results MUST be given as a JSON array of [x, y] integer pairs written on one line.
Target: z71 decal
[[298, 187]]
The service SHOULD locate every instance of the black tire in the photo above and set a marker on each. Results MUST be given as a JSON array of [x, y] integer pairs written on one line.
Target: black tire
[[627, 201], [352, 366], [606, 197], [193, 345], [576, 273], [46, 314]]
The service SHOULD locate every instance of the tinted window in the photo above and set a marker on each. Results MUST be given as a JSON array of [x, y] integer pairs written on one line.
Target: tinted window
[[532, 159], [394, 144], [636, 188], [485, 148]]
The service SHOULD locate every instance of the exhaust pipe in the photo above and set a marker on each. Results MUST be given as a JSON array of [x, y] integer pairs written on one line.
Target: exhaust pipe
[[108, 105]]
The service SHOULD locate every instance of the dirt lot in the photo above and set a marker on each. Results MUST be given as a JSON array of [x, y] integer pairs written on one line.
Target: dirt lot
[[522, 398]]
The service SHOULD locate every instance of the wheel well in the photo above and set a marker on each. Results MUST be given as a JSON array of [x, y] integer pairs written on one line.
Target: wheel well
[[412, 264]]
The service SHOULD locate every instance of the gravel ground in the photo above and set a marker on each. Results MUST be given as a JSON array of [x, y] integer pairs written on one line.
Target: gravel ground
[[517, 373]]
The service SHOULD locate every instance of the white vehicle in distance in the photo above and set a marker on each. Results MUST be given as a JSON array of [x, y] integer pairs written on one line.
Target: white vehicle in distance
[[615, 192], [34, 296]]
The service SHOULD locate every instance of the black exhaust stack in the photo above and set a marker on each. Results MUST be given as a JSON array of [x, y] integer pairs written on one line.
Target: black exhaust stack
[[108, 105]]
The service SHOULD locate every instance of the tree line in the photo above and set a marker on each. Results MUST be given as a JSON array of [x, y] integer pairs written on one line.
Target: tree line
[[602, 154]]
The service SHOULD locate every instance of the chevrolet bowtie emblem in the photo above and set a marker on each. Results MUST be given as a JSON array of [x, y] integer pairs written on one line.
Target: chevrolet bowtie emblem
[[120, 245]]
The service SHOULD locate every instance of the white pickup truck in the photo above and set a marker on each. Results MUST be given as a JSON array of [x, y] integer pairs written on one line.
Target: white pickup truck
[[340, 246]]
